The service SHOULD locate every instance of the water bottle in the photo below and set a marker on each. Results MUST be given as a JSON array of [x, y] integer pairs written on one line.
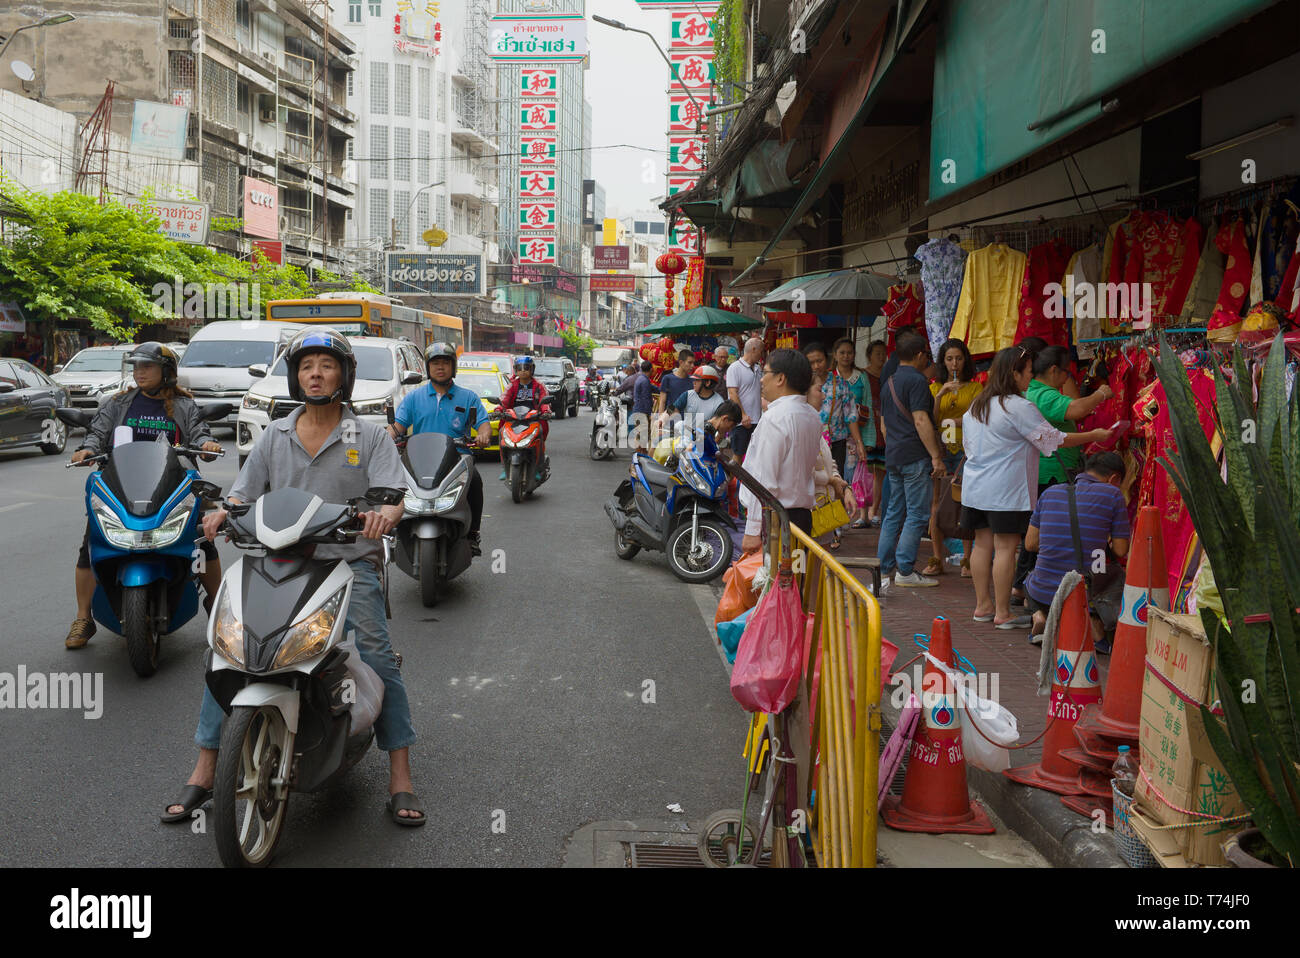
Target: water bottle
[[1123, 774]]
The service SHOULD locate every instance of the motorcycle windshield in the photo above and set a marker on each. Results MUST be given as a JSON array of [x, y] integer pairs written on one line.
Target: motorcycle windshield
[[143, 475], [429, 457], [521, 411]]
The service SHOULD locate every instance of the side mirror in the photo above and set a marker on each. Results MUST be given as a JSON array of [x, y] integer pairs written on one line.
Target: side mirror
[[7, 387], [549, 400], [384, 495], [494, 400], [216, 411], [257, 370], [411, 377], [73, 417], [59, 368], [203, 489]]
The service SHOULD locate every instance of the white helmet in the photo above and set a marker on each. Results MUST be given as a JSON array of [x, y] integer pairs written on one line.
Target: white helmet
[[706, 372]]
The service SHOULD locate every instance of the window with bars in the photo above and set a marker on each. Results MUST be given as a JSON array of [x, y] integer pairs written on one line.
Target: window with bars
[[401, 89], [223, 177], [220, 93], [379, 220], [354, 11], [401, 206], [401, 154], [422, 154], [422, 92], [379, 151], [378, 88], [423, 223]]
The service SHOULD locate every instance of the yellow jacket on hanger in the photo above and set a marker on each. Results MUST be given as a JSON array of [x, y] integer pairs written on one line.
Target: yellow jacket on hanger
[[989, 309]]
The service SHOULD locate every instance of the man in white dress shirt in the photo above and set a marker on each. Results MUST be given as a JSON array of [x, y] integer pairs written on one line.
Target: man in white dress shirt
[[783, 451]]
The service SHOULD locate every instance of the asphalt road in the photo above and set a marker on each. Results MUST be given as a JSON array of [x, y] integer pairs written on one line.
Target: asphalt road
[[526, 691]]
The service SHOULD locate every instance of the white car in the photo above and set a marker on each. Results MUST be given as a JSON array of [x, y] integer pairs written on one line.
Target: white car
[[93, 375], [387, 369]]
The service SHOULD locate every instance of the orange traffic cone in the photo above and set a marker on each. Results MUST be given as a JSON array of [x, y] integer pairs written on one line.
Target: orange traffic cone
[[1145, 585], [1074, 686], [935, 798]]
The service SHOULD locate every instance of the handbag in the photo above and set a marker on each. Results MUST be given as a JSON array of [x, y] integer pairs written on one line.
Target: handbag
[[829, 517], [948, 517]]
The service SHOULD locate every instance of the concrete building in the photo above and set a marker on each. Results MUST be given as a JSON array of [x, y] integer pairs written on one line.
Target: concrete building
[[265, 83]]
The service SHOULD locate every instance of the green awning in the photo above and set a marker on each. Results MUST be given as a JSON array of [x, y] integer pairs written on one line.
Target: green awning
[[702, 320]]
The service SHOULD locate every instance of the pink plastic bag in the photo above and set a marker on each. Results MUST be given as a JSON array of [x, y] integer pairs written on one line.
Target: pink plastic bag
[[862, 485], [769, 662]]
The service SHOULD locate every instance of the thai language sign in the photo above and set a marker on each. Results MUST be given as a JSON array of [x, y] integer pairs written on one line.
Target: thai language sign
[[537, 37], [448, 274], [182, 222]]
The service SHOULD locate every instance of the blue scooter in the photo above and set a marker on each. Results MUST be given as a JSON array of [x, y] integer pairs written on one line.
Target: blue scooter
[[144, 507], [680, 509]]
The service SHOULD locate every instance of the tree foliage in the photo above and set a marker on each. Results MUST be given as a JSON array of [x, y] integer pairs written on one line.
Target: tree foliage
[[576, 344]]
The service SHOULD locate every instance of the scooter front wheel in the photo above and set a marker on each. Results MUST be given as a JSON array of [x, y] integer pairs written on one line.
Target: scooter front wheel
[[250, 794], [517, 482], [429, 581], [708, 559], [138, 627]]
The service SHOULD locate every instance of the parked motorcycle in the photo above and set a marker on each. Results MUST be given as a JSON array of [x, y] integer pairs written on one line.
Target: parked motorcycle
[[680, 509], [521, 438], [605, 426], [300, 704], [430, 541], [144, 507]]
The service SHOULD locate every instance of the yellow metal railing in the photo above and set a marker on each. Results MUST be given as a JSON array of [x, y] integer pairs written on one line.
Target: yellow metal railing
[[843, 766]]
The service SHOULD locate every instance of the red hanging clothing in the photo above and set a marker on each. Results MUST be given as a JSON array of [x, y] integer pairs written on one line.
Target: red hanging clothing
[[1047, 263], [1231, 241], [1151, 247], [903, 310]]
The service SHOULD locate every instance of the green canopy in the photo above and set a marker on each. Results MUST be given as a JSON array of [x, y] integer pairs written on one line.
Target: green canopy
[[702, 320]]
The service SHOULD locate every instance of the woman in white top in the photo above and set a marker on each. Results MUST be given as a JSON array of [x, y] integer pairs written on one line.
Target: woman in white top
[[1003, 434]]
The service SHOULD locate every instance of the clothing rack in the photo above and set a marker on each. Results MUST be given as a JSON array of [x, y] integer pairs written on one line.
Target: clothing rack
[[1077, 230], [1246, 197], [1148, 334]]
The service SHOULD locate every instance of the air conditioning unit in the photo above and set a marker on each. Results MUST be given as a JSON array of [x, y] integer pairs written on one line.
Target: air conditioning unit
[[284, 224], [266, 107], [266, 116]]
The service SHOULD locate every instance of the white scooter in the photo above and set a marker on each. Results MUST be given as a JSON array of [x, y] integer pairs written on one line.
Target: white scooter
[[301, 705]]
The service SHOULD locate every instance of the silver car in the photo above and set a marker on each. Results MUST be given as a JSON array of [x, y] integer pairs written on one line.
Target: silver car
[[93, 374]]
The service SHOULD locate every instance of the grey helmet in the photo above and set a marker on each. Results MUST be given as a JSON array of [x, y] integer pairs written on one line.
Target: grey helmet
[[441, 351], [322, 339], [158, 354]]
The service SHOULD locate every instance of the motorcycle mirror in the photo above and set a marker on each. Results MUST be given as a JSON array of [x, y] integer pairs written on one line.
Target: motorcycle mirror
[[70, 416], [495, 400], [203, 489], [548, 400], [384, 495], [257, 370], [215, 411]]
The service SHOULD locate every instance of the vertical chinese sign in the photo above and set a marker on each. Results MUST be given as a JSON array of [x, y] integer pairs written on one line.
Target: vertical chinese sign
[[691, 54]]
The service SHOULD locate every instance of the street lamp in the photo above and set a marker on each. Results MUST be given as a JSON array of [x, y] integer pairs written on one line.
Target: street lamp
[[47, 22], [619, 25], [414, 196]]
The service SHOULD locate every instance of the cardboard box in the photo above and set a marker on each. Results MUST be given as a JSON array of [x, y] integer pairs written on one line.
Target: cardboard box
[[1184, 771]]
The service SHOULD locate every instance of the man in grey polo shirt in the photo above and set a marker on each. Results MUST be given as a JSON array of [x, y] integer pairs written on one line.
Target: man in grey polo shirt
[[324, 449]]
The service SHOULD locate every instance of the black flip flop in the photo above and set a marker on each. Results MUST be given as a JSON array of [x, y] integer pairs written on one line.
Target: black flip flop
[[407, 801], [192, 796]]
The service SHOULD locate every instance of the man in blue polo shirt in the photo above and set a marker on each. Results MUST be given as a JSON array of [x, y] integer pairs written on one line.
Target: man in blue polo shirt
[[452, 410], [1101, 517]]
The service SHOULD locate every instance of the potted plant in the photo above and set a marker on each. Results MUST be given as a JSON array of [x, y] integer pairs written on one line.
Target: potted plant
[[1249, 527]]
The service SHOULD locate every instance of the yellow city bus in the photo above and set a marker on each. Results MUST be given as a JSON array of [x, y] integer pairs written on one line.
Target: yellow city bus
[[369, 314]]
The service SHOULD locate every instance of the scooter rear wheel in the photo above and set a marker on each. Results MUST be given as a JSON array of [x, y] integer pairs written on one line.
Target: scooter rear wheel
[[250, 793], [430, 583], [138, 627]]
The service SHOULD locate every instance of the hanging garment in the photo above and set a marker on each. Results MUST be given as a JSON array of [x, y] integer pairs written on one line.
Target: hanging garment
[[1277, 240], [1042, 292], [1256, 264], [1082, 274], [903, 310], [1225, 321], [1288, 293], [1154, 256], [942, 265], [1198, 306], [989, 308]]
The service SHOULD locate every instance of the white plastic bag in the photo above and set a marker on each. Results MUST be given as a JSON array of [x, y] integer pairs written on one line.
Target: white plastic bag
[[995, 722]]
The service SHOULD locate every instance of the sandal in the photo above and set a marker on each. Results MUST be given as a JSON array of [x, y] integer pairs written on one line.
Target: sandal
[[965, 569], [406, 801], [79, 634], [834, 544], [933, 567], [192, 796]]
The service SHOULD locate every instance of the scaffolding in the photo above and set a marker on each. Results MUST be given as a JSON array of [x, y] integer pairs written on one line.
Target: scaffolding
[[95, 135]]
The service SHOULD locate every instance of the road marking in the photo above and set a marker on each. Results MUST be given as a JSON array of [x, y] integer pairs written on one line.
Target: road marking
[[16, 505]]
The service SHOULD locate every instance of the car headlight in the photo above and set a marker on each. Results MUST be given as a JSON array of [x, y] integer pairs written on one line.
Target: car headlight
[[228, 633], [448, 499], [308, 637], [418, 506], [119, 535], [256, 402], [373, 407]]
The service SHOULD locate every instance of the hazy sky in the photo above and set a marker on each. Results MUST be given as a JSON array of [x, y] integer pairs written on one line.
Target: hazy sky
[[627, 86]]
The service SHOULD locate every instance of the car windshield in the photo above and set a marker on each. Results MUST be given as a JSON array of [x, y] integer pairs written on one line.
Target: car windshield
[[227, 353], [98, 361], [550, 367], [483, 384], [373, 362]]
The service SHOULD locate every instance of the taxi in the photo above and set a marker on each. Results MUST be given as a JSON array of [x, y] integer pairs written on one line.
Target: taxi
[[483, 377]]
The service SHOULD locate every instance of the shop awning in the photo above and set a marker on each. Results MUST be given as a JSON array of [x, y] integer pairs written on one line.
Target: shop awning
[[701, 320]]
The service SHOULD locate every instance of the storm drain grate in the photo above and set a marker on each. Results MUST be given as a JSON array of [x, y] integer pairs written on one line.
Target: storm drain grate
[[649, 855]]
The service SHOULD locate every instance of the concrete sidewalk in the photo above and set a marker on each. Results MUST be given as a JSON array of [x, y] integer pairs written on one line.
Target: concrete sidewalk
[[1063, 837]]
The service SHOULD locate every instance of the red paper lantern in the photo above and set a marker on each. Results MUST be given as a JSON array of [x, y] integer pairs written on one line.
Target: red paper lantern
[[670, 264]]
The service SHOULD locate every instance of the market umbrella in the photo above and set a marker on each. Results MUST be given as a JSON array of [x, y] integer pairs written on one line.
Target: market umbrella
[[702, 320], [844, 291]]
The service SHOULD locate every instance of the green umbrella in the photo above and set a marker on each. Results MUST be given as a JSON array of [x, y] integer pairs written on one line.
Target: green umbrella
[[702, 320]]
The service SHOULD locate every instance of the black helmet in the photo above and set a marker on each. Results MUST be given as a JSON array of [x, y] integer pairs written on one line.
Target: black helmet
[[157, 354], [440, 351], [322, 339]]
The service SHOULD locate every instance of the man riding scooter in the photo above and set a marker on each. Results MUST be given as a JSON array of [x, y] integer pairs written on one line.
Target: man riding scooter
[[323, 448], [524, 390], [451, 410]]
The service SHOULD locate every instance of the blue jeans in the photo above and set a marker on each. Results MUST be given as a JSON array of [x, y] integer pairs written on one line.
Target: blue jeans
[[369, 626], [907, 516]]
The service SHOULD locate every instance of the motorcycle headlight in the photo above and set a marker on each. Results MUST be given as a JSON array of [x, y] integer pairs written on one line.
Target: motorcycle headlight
[[418, 506], [164, 535], [228, 633], [308, 637], [447, 499], [520, 443], [373, 407], [698, 482], [257, 402]]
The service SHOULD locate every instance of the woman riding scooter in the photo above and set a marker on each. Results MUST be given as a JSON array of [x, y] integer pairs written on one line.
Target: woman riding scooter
[[524, 390], [157, 406]]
